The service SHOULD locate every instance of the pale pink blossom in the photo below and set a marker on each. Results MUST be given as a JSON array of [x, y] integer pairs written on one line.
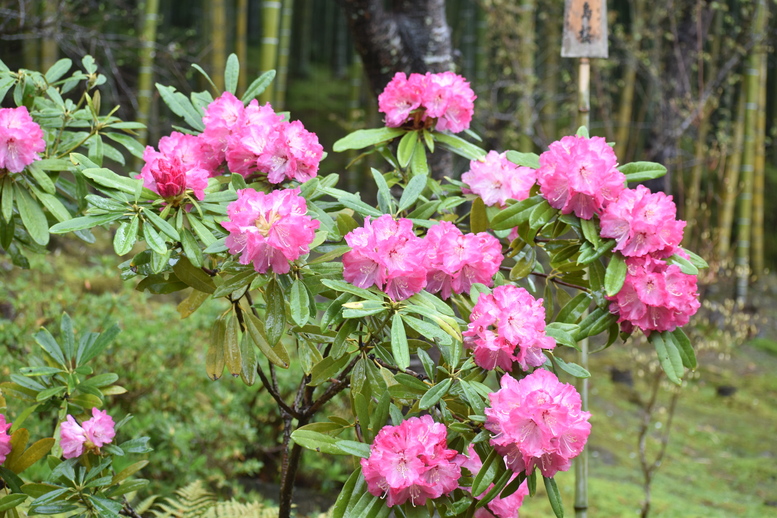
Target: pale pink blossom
[[386, 253], [579, 175], [498, 507], [443, 101], [496, 179], [508, 326], [5, 439], [96, 432], [21, 139], [269, 230], [411, 462], [178, 167], [537, 422], [655, 296], [456, 261], [642, 222]]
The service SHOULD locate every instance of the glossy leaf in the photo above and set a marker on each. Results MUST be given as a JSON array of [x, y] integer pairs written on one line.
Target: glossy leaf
[[32, 215], [642, 171], [668, 356], [399, 346], [362, 138], [214, 357], [258, 86], [615, 275], [275, 318]]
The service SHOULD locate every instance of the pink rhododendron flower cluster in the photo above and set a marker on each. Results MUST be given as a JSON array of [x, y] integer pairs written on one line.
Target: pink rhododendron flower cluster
[[642, 222], [508, 326], [386, 253], [411, 462], [5, 439], [496, 179], [442, 101], [254, 139], [21, 139], [537, 422], [269, 230], [180, 164], [455, 261], [579, 175], [93, 434], [656, 296], [498, 507]]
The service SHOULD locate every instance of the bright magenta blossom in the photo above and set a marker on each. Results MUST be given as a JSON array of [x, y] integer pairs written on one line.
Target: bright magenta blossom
[[656, 296], [508, 326], [269, 230], [386, 253], [411, 462], [537, 422], [579, 175], [442, 101], [496, 179], [178, 166], [642, 223], [498, 507], [93, 434], [21, 139], [456, 261], [5, 439]]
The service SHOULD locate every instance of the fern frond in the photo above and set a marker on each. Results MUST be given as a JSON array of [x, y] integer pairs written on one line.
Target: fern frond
[[193, 501]]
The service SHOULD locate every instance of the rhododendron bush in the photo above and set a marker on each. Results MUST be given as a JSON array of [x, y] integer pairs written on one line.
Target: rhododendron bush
[[448, 313]]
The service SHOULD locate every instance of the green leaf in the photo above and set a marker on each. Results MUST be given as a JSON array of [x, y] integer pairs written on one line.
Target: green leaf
[[459, 146], [385, 200], [57, 70], [275, 318], [554, 497], [615, 275], [231, 73], [572, 368], [11, 501], [362, 138], [478, 218], [235, 282], [668, 356], [515, 214], [407, 145], [205, 235], [161, 224], [685, 265], [125, 237], [276, 355], [582, 131], [683, 345], [524, 159], [473, 398], [320, 442], [108, 178], [642, 171], [181, 106], [524, 263], [193, 276], [33, 218], [299, 303], [696, 260], [214, 357], [418, 164], [89, 349], [258, 86], [153, 239], [353, 202], [574, 309], [42, 178], [47, 342], [7, 197], [191, 248], [31, 455], [55, 207], [355, 485], [248, 358], [434, 394], [428, 330], [590, 231], [84, 222], [399, 346], [487, 473], [412, 191], [556, 331], [232, 355], [342, 286], [327, 369]]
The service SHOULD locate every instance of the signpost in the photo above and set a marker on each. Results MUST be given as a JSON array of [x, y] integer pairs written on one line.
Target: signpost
[[585, 37]]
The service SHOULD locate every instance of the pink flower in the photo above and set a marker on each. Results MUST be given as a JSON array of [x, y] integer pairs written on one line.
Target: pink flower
[[498, 507], [655, 296], [94, 434], [456, 261], [386, 253], [269, 230], [443, 101], [250, 136], [21, 139], [5, 439], [537, 422], [221, 119], [179, 166], [496, 179], [508, 326], [579, 175], [411, 461], [642, 223]]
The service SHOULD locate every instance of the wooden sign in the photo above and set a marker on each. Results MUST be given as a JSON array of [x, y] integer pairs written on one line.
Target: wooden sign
[[585, 29]]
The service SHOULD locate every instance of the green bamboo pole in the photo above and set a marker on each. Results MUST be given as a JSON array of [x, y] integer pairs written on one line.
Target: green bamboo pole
[[730, 183], [550, 82], [752, 86], [355, 115], [49, 49], [146, 69], [759, 182], [218, 36], [629, 83], [303, 38], [481, 51], [526, 27], [241, 43], [282, 80], [271, 17]]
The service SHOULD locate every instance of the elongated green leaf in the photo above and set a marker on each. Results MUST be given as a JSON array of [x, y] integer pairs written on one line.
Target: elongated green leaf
[[385, 200], [669, 357], [277, 354], [341, 286], [299, 303], [362, 138], [90, 349], [414, 188], [31, 455], [572, 368], [327, 369], [352, 488], [275, 318], [6, 202], [524, 159], [590, 231], [58, 69], [399, 346], [258, 86], [478, 218], [235, 282], [42, 178], [33, 218], [487, 473], [193, 276], [554, 497], [214, 357], [434, 394], [231, 74], [108, 178], [84, 222], [54, 206], [232, 356], [473, 398], [615, 275], [459, 146], [11, 501], [683, 345], [419, 166], [353, 202], [125, 237], [574, 309], [161, 224], [515, 214], [685, 265], [642, 171], [153, 239], [47, 342], [181, 106], [406, 147]]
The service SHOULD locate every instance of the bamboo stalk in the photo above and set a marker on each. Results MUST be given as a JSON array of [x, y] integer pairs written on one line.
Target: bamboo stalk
[[759, 182], [281, 83], [49, 49], [218, 35], [271, 11], [550, 81], [730, 183], [629, 83], [241, 43], [526, 28], [146, 69]]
